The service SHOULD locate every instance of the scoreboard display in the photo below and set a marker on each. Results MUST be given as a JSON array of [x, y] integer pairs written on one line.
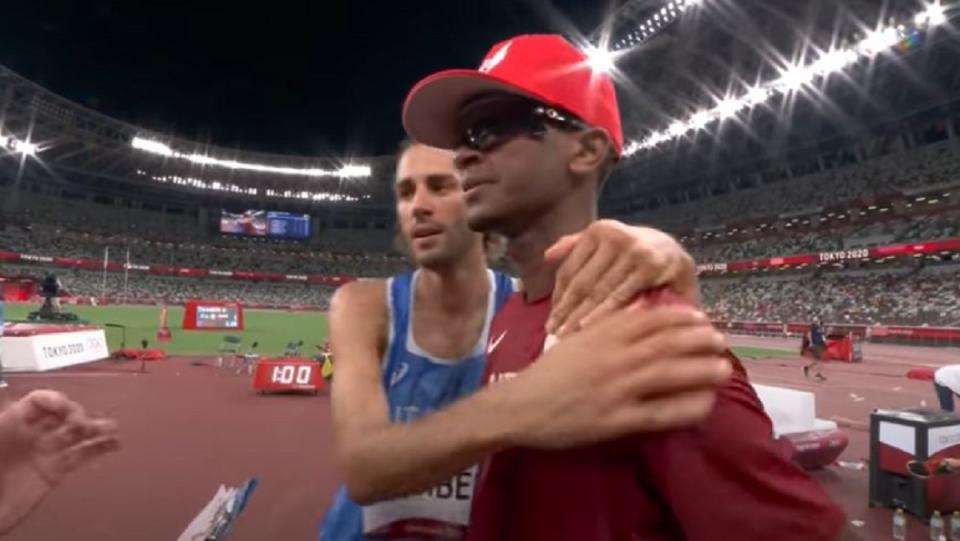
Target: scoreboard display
[[218, 317], [288, 225], [201, 315], [260, 223]]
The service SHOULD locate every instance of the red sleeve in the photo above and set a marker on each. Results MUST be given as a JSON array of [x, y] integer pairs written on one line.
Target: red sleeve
[[489, 506], [728, 476]]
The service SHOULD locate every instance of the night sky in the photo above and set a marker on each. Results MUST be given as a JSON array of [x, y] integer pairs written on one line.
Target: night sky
[[319, 77]]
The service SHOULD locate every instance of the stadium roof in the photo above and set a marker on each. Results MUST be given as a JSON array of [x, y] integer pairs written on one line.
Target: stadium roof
[[706, 51], [71, 144], [718, 49]]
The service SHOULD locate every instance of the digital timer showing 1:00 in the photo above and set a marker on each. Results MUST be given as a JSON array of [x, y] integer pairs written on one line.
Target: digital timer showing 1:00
[[291, 374]]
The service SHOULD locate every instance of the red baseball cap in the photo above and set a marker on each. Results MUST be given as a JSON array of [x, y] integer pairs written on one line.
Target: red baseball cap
[[543, 67]]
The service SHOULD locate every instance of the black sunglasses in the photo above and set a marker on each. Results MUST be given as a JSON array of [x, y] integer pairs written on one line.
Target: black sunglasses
[[503, 120]]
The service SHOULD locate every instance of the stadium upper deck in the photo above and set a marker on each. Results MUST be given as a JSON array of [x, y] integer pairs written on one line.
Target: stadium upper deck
[[914, 200]]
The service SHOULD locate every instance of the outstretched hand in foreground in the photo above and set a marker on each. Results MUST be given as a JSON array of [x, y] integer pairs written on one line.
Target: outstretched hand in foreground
[[43, 437]]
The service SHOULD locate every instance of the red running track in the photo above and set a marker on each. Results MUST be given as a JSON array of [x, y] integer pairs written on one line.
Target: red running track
[[186, 429]]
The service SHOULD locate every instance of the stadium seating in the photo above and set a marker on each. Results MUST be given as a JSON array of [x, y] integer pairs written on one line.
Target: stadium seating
[[897, 230], [918, 296], [900, 293], [141, 288], [931, 165], [225, 254]]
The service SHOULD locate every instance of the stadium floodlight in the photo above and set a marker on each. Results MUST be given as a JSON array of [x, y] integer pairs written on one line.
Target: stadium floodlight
[[878, 41], [599, 59], [728, 107], [794, 78], [219, 186], [933, 15], [354, 171], [154, 147], [18, 146], [668, 13], [27, 149], [756, 96], [699, 120], [834, 61], [162, 149], [677, 129]]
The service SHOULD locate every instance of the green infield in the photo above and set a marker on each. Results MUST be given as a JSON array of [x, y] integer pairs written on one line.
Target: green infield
[[272, 329], [747, 352]]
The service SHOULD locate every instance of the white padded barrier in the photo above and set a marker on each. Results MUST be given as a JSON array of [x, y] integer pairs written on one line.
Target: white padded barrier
[[790, 410]]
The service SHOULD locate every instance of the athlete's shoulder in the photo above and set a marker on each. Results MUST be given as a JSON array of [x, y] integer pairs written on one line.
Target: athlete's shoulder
[[358, 316], [363, 294]]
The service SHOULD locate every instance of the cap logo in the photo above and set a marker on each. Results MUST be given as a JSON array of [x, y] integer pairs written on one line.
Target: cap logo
[[493, 60]]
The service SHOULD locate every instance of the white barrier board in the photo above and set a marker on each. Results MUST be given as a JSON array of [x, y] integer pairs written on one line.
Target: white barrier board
[[42, 352], [790, 410]]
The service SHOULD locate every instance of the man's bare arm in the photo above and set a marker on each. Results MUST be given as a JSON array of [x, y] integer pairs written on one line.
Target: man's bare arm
[[381, 459], [644, 374]]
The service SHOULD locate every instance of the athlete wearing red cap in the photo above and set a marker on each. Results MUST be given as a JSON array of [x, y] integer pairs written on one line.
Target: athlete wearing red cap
[[536, 131]]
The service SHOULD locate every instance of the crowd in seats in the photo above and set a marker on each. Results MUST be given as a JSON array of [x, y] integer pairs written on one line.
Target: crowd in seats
[[82, 216], [764, 247], [142, 288], [47, 226], [932, 227], [56, 227], [221, 254], [918, 296], [898, 230], [932, 165]]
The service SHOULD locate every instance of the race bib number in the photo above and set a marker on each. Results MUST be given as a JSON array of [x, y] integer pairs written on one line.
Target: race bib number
[[441, 513]]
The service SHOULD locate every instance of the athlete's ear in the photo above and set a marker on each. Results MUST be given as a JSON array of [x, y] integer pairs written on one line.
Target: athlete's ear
[[591, 152]]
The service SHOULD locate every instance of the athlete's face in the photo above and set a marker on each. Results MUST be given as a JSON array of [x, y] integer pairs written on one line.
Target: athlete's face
[[430, 207], [515, 166]]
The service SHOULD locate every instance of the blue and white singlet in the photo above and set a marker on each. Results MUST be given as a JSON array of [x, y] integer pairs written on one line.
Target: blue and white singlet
[[417, 383]]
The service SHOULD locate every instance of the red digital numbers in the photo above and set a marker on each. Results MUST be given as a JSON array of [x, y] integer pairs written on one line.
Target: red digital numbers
[[287, 375], [291, 374]]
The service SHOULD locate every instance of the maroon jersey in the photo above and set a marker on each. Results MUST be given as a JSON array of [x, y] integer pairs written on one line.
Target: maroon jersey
[[724, 479]]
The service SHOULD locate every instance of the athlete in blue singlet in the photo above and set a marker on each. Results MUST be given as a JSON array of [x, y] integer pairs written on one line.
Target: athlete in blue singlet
[[418, 378], [417, 382]]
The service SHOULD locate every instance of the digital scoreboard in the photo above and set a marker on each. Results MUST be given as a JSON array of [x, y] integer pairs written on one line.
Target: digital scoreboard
[[212, 316], [288, 225], [261, 223], [217, 317]]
